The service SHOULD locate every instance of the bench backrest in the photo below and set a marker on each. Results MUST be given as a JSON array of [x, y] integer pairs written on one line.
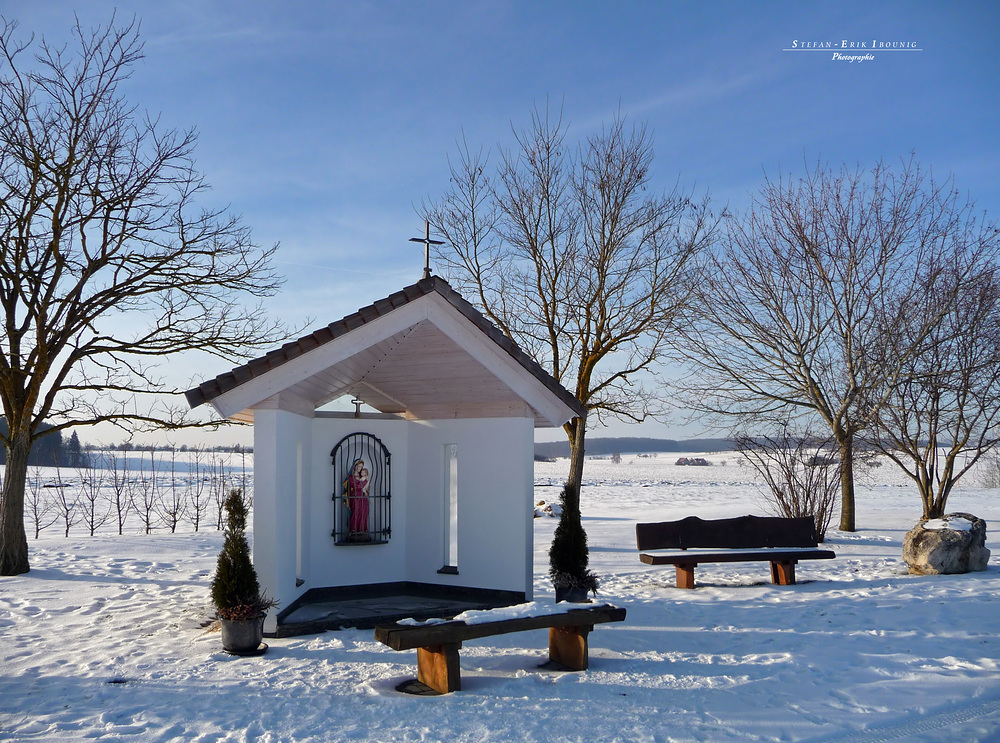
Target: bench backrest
[[743, 532]]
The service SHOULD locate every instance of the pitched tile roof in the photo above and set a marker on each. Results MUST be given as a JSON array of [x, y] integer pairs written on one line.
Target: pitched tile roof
[[209, 390]]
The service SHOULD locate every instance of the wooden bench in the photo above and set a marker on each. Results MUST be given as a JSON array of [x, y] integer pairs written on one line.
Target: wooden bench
[[438, 644], [780, 541]]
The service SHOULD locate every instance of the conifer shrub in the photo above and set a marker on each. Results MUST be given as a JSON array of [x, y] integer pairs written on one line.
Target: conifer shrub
[[569, 554], [235, 588]]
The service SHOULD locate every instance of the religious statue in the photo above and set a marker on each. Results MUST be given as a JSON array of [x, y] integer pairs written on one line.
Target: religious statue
[[356, 495]]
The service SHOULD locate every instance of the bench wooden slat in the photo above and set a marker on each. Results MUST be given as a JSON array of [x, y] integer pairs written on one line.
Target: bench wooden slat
[[438, 644], [407, 637], [743, 532], [770, 555], [778, 540]]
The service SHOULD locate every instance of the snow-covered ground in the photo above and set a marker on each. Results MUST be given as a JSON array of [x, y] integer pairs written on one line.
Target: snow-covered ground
[[104, 638]]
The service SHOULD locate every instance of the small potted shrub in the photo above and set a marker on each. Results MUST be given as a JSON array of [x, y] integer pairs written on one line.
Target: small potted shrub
[[568, 555], [239, 603]]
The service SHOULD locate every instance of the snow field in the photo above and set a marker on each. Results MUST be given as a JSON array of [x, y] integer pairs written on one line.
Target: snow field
[[104, 639]]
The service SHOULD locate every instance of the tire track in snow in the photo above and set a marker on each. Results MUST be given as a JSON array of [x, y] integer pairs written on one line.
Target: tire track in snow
[[909, 727]]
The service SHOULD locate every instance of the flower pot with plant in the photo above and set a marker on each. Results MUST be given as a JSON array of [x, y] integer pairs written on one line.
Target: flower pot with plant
[[239, 603], [569, 555]]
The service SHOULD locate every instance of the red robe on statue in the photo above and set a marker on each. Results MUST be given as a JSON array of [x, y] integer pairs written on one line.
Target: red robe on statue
[[356, 489]]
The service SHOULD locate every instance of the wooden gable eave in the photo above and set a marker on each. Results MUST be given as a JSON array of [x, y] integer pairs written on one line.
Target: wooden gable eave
[[485, 372], [513, 350], [502, 365], [274, 381]]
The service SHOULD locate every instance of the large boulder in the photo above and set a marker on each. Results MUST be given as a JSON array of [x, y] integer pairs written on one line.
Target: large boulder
[[955, 543]]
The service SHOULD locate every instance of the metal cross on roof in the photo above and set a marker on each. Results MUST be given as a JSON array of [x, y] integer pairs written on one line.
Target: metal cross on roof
[[426, 240]]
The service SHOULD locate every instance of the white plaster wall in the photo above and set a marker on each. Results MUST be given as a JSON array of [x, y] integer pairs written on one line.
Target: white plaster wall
[[495, 499], [279, 437], [293, 507], [345, 565]]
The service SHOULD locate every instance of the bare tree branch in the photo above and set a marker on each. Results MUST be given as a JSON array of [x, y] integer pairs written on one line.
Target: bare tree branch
[[107, 263], [796, 307], [573, 258], [942, 415]]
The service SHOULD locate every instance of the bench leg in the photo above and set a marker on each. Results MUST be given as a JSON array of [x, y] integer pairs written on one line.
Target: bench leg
[[568, 646], [783, 573], [685, 576], [437, 667]]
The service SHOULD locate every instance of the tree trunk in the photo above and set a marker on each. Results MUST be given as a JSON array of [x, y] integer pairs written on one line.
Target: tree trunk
[[576, 429], [569, 554], [847, 483], [13, 540], [935, 503]]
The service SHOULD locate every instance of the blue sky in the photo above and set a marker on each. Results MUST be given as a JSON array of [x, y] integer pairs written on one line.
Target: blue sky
[[326, 123]]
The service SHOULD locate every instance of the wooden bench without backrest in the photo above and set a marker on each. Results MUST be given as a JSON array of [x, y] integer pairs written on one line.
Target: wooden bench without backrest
[[780, 541], [438, 644]]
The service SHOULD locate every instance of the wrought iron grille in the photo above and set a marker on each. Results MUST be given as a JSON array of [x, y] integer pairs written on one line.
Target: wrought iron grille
[[363, 495]]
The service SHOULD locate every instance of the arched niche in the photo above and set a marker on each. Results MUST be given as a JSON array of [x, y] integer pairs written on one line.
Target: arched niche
[[363, 496]]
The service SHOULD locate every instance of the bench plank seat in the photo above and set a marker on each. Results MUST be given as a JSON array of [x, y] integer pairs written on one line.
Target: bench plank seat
[[694, 557], [780, 541], [438, 644]]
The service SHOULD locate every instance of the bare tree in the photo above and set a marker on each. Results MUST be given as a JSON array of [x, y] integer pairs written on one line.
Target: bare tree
[[199, 493], [94, 501], [172, 504], [121, 486], [219, 484], [246, 480], [797, 303], [40, 509], [943, 414], [576, 260], [145, 495], [107, 264], [66, 502], [799, 478]]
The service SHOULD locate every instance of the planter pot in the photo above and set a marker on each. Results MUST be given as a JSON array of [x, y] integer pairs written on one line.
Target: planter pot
[[572, 594], [242, 637]]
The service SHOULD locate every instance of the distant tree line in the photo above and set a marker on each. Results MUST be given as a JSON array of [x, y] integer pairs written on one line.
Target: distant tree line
[[135, 492], [131, 446], [51, 449], [632, 445]]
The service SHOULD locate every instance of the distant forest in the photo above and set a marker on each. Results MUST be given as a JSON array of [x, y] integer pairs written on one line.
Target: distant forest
[[51, 450], [130, 446], [608, 446]]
